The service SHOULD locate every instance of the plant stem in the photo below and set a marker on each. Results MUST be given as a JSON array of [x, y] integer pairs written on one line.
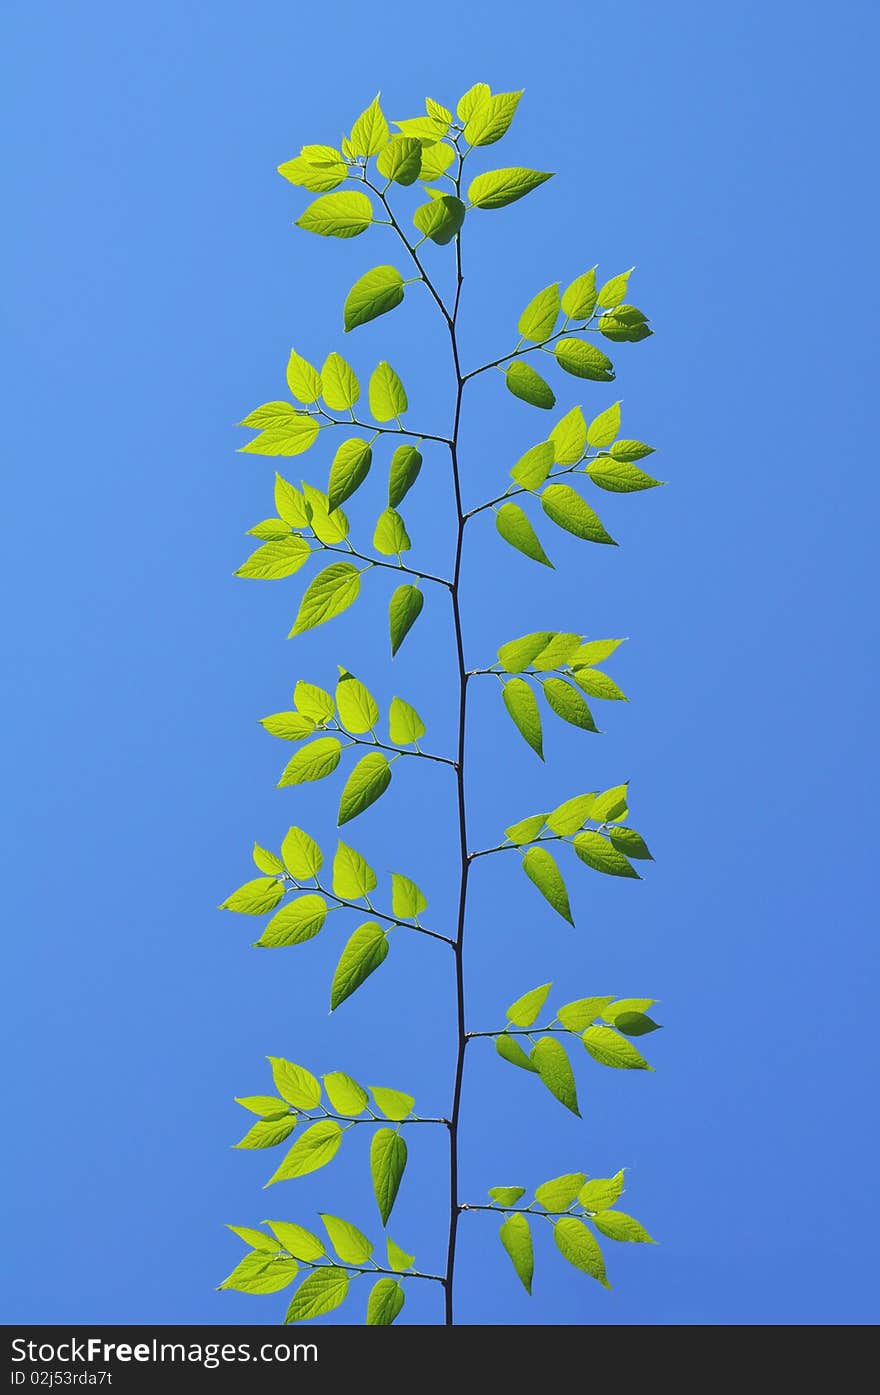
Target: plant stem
[[567, 329], [464, 863], [521, 1032], [397, 750], [380, 915], [517, 847], [391, 566]]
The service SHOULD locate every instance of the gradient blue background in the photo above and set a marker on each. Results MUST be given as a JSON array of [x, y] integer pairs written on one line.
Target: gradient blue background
[[154, 287]]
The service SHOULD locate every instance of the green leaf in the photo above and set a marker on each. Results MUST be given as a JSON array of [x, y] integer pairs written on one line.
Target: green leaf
[[327, 595], [270, 530], [595, 651], [322, 155], [613, 292], [290, 726], [567, 703], [372, 295], [384, 1303], [401, 160], [631, 450], [407, 899], [327, 527], [277, 415], [255, 897], [257, 1239], [524, 382], [568, 510], [506, 1196], [298, 1241], [318, 179], [312, 762], [515, 528], [319, 1293], [267, 861], [583, 360], [617, 1225], [295, 1084], [557, 652], [632, 844], [387, 397], [440, 218], [290, 504], [394, 1104], [619, 476], [405, 726], [569, 816], [314, 1149], [603, 428], [436, 160], [437, 110], [538, 321], [302, 856], [398, 1258], [569, 438], [340, 383], [601, 1192], [426, 129], [560, 1192], [291, 437], [532, 469], [490, 117], [268, 1133], [509, 1049], [596, 851], [523, 1012], [358, 709], [621, 1005], [554, 1068], [522, 705], [364, 952], [406, 462], [370, 132], [580, 1247], [527, 830], [635, 1024], [337, 215], [353, 877], [313, 702], [267, 1106], [260, 1272], [303, 379], [625, 325], [517, 654], [610, 804], [579, 298], [350, 1244], [468, 104], [345, 1095], [610, 1049], [387, 1163], [516, 1238], [498, 188], [541, 868], [275, 560], [351, 465], [404, 609], [390, 536], [297, 921], [367, 782], [579, 1014]]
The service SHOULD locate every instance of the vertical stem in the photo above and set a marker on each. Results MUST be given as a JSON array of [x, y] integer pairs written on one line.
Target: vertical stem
[[462, 809]]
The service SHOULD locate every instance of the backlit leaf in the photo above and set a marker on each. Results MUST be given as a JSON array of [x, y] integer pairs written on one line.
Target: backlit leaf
[[516, 1238], [522, 706], [372, 295], [365, 951], [515, 528], [367, 782], [568, 510], [404, 609], [387, 1164], [523, 1012], [498, 188], [541, 868], [337, 215], [327, 595], [554, 1068], [524, 382]]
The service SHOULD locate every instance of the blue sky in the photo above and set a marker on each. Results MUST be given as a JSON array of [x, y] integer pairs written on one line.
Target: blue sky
[[155, 287]]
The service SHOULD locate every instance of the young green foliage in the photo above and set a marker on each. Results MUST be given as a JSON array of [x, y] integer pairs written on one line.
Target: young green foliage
[[358, 424]]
